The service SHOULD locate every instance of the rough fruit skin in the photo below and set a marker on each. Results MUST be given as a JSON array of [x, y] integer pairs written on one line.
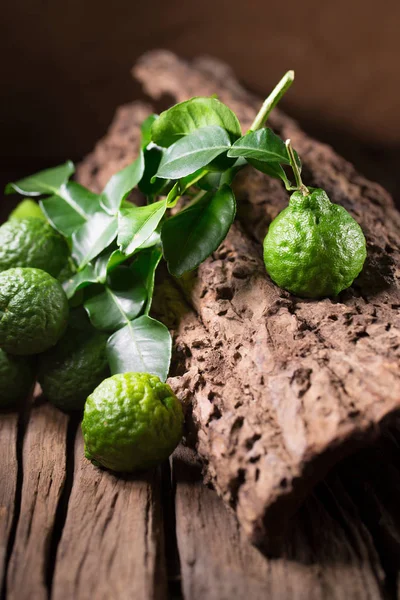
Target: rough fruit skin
[[27, 208], [16, 379], [314, 248], [132, 421], [32, 242], [33, 311], [72, 369]]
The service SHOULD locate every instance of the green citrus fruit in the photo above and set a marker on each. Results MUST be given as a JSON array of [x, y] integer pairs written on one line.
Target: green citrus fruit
[[16, 379], [132, 421], [314, 248], [31, 242], [33, 311], [72, 369], [27, 208]]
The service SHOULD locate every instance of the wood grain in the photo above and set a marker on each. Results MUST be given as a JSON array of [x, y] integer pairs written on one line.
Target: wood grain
[[44, 468], [327, 554], [112, 544], [8, 481]]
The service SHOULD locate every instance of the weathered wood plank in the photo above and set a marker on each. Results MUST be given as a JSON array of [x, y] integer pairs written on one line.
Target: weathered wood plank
[[327, 554], [112, 543], [44, 461], [8, 481]]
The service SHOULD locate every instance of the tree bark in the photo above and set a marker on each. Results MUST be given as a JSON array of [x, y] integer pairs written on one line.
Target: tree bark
[[278, 388]]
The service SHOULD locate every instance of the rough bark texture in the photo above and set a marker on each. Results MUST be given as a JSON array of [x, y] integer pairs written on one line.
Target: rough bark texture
[[280, 388], [112, 542], [43, 464]]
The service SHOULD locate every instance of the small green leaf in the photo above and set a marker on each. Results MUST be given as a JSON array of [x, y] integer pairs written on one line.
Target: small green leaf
[[149, 184], [193, 152], [145, 129], [44, 182], [193, 234], [71, 208], [144, 268], [79, 280], [142, 346], [272, 169], [92, 237], [182, 185], [137, 223], [153, 240], [184, 118], [108, 259], [115, 304], [121, 184], [263, 145]]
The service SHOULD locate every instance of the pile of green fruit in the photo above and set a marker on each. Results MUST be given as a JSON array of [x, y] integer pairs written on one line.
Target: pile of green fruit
[[77, 270]]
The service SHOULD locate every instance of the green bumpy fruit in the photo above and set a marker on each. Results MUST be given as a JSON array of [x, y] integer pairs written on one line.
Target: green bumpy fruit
[[132, 421], [33, 311], [71, 370], [32, 242], [16, 379], [27, 208], [314, 248]]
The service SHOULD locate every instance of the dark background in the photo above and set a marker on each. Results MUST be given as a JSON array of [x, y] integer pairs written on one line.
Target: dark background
[[65, 66]]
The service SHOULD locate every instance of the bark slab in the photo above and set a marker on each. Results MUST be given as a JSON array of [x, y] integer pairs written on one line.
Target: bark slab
[[278, 388]]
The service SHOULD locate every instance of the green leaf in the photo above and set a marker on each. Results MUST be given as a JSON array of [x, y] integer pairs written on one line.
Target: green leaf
[[145, 129], [120, 184], [92, 237], [142, 346], [112, 257], [182, 185], [144, 268], [115, 304], [263, 145], [193, 234], [193, 152], [149, 184], [108, 259], [44, 182], [71, 208], [272, 169], [79, 280], [153, 240], [184, 118], [137, 223]]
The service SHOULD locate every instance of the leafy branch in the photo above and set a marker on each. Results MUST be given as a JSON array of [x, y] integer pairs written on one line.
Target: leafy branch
[[194, 149]]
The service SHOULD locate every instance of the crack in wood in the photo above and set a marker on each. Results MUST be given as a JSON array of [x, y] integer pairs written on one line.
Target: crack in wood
[[173, 566], [62, 507], [19, 423]]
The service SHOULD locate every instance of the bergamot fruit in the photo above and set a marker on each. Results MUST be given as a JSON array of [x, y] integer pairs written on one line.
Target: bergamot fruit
[[33, 311], [16, 379], [131, 421], [27, 208], [314, 248], [72, 369], [32, 242]]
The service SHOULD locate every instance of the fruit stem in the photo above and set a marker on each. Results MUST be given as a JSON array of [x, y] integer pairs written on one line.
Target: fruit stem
[[296, 171], [272, 100]]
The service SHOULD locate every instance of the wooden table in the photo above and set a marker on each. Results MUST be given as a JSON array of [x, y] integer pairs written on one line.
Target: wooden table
[[71, 531]]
